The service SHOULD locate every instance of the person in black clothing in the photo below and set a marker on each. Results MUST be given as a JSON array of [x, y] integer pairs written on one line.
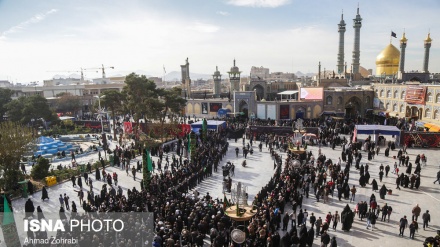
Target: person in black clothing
[[29, 207], [325, 239], [403, 223], [30, 186], [44, 194]]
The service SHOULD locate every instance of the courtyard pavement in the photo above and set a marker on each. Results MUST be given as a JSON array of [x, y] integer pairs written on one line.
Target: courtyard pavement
[[259, 170]]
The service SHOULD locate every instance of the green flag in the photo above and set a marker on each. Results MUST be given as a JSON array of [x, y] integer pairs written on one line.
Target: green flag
[[149, 162], [8, 216], [204, 128], [225, 202], [189, 144]]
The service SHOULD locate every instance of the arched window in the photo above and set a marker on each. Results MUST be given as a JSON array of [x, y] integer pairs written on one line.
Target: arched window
[[436, 115], [437, 100], [329, 100], [367, 100], [395, 94], [387, 107], [430, 97], [340, 100], [428, 113], [389, 94], [401, 108], [395, 107], [402, 96], [381, 93]]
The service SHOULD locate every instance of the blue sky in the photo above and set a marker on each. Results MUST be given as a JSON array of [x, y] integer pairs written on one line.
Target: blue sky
[[136, 35]]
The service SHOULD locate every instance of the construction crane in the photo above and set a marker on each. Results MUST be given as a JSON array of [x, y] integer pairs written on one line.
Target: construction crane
[[73, 71], [102, 68]]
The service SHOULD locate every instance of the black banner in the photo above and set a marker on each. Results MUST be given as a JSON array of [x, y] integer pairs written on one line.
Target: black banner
[[214, 107], [284, 112]]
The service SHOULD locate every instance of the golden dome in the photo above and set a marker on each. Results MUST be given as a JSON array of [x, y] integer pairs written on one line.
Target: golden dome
[[389, 55], [387, 62]]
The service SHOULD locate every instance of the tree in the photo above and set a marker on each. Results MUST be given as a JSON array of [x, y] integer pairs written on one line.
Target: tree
[[14, 139], [141, 98], [173, 102], [15, 108], [36, 107], [113, 101], [67, 102], [24, 109], [41, 169], [5, 98]]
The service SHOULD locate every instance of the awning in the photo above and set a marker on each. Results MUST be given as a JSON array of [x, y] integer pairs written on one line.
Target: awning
[[428, 125], [328, 113], [420, 124], [434, 128], [289, 92]]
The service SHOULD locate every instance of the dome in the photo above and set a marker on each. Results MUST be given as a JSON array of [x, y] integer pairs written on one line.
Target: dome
[[363, 71], [387, 62], [389, 55]]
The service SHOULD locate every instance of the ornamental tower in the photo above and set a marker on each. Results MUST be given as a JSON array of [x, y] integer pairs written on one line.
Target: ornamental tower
[[428, 41], [217, 80], [341, 30], [403, 41], [357, 24], [234, 78]]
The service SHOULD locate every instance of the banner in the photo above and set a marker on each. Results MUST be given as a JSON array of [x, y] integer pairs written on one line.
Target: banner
[[272, 112], [312, 93], [128, 128], [284, 111], [261, 111], [204, 108], [415, 94], [214, 107]]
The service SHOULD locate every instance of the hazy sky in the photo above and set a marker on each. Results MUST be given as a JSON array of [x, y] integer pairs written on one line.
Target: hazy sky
[[283, 35]]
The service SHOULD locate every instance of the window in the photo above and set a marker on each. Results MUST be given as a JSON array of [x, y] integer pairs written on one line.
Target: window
[[430, 97], [428, 113], [340, 100], [436, 115], [389, 94], [367, 100], [387, 106], [437, 100], [395, 94], [395, 107], [401, 108], [402, 96], [381, 93], [329, 100]]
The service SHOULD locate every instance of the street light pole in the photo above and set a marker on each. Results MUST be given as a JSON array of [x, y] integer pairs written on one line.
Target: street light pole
[[104, 138]]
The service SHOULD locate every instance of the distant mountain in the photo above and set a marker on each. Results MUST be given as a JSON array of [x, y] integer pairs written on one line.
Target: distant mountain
[[300, 74], [177, 75]]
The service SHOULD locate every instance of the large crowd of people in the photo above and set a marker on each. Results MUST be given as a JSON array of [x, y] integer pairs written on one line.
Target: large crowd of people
[[184, 217]]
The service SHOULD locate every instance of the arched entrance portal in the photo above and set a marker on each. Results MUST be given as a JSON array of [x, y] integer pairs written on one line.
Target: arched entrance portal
[[353, 107], [300, 113], [259, 91], [243, 107]]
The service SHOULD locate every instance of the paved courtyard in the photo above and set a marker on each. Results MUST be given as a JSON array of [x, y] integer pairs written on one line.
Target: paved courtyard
[[260, 169]]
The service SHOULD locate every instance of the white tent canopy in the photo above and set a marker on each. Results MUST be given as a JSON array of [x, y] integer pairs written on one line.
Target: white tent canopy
[[289, 93]]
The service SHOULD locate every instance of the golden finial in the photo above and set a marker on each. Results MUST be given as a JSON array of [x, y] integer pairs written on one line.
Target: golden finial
[[403, 39], [428, 39]]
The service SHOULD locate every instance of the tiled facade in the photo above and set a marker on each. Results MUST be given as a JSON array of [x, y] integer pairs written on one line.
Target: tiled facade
[[391, 98]]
